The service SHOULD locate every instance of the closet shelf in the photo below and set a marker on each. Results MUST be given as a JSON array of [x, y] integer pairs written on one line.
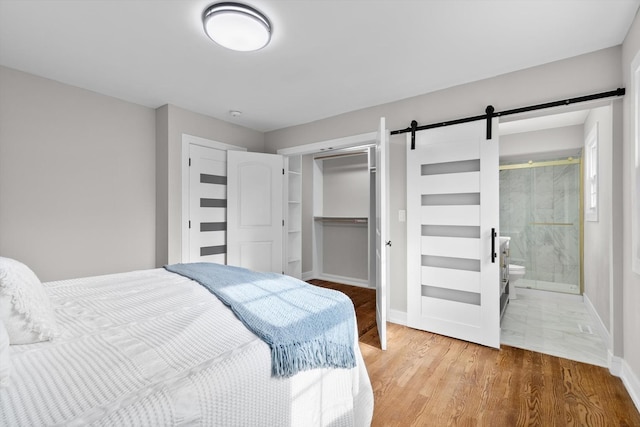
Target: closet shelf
[[342, 219]]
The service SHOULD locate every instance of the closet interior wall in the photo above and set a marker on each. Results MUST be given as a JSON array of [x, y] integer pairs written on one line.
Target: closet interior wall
[[341, 208]]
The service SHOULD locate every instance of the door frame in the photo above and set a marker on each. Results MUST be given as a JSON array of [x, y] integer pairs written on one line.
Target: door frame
[[328, 146], [187, 140], [611, 338], [369, 138], [318, 203]]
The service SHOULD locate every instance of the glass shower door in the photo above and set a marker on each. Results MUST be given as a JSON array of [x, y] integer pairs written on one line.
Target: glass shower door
[[540, 211]]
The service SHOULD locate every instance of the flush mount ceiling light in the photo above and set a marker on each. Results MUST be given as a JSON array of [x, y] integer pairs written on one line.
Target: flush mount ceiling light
[[236, 26]]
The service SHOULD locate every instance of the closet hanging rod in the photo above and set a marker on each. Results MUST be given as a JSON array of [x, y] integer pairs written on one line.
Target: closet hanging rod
[[490, 113], [345, 220], [330, 156]]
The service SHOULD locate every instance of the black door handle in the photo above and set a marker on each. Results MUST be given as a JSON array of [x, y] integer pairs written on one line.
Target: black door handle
[[388, 243], [493, 245]]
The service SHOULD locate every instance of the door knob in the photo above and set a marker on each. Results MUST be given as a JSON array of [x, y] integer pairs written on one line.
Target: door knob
[[388, 243]]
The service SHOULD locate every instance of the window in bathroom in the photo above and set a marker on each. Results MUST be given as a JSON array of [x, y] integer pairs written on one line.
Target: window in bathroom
[[591, 174]]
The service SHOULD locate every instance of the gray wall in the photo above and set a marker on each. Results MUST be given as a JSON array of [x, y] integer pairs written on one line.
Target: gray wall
[[345, 251], [171, 123], [542, 144], [77, 179], [597, 235], [345, 247], [595, 72], [90, 184], [345, 186], [625, 325]]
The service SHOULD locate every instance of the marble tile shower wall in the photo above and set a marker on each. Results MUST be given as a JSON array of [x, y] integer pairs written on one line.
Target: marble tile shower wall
[[540, 211]]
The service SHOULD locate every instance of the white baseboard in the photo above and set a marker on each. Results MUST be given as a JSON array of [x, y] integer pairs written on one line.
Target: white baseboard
[[307, 275], [615, 364], [602, 330], [341, 279], [397, 316], [631, 382]]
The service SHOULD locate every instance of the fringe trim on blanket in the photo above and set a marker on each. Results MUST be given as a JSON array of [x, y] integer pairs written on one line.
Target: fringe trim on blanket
[[289, 359]]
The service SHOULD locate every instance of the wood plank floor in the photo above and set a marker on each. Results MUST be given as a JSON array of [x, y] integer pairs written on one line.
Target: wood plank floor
[[364, 302], [424, 379]]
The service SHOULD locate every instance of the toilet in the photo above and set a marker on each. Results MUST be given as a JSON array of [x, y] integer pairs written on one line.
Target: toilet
[[516, 272]]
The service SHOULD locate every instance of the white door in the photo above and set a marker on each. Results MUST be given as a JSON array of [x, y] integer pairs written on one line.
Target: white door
[[207, 204], [255, 210], [453, 278], [382, 230]]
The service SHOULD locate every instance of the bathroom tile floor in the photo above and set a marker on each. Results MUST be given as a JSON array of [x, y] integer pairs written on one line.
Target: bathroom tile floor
[[559, 327]]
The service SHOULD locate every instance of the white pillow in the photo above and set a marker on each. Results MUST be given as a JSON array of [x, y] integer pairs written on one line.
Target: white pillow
[[25, 308], [5, 361]]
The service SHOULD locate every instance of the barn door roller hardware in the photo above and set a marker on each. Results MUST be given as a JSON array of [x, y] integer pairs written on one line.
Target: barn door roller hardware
[[490, 113]]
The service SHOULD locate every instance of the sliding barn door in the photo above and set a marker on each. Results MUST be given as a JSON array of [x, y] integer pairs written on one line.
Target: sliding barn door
[[382, 231], [255, 210], [453, 279]]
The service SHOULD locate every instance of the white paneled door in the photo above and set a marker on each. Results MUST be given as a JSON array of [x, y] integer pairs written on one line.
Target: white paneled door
[[382, 230], [255, 210], [453, 276]]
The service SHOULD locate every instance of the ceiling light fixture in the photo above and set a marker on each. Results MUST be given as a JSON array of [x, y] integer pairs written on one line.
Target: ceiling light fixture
[[236, 26]]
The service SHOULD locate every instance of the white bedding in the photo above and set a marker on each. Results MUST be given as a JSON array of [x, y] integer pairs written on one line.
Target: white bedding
[[154, 348]]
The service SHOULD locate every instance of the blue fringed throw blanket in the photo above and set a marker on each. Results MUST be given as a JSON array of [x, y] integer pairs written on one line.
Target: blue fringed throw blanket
[[305, 326]]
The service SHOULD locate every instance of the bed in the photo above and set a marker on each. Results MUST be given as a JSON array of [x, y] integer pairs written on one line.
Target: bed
[[155, 348]]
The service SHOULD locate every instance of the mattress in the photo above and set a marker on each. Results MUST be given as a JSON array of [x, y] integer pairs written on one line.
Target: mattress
[[154, 348]]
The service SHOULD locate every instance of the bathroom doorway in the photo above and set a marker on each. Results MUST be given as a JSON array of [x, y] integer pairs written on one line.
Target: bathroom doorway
[[563, 296], [541, 207], [540, 210]]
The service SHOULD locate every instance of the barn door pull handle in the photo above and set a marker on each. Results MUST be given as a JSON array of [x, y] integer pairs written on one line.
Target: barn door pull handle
[[493, 245]]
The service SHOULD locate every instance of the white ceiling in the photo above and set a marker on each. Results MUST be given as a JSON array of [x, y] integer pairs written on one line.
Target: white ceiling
[[326, 57]]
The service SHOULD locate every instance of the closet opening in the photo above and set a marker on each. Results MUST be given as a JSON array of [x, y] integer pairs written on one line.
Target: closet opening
[[331, 211], [330, 221], [343, 206]]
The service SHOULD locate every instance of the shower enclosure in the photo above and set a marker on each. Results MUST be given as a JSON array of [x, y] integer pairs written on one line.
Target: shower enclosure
[[540, 210]]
